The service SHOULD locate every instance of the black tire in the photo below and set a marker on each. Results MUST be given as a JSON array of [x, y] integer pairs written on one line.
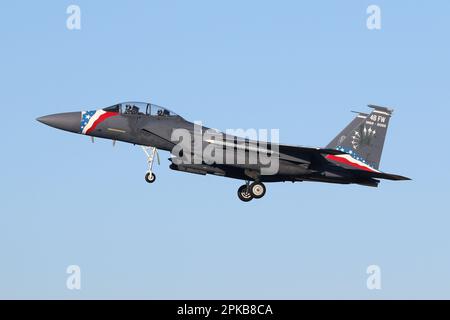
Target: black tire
[[258, 190], [150, 179], [243, 194]]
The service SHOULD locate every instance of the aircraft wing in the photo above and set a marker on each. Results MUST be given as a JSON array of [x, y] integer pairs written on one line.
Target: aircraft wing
[[298, 150], [291, 150]]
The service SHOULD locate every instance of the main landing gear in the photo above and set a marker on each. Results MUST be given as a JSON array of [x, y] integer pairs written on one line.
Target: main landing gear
[[255, 190], [150, 152]]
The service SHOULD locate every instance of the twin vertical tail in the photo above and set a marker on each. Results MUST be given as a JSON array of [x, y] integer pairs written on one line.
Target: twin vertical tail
[[363, 138]]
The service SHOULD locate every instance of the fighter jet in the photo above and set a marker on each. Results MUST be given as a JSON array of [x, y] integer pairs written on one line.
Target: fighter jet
[[352, 157]]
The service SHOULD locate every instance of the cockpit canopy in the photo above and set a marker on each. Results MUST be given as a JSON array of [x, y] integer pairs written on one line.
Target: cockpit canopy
[[142, 108]]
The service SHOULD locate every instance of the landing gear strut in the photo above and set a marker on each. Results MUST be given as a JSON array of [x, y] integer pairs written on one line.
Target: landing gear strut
[[150, 152], [248, 191]]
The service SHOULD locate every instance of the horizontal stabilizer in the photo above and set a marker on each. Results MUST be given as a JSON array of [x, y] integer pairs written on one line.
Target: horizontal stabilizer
[[380, 175], [390, 176]]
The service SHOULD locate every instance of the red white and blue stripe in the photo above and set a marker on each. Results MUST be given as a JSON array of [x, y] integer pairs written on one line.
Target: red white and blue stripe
[[91, 119], [351, 159]]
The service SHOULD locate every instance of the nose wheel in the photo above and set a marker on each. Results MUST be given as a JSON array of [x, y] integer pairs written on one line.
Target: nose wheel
[[150, 177], [248, 191], [150, 152]]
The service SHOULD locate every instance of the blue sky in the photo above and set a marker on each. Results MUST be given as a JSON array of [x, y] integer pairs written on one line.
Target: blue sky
[[299, 67]]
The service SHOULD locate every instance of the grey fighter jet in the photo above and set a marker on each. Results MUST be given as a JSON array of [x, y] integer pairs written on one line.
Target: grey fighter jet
[[353, 156]]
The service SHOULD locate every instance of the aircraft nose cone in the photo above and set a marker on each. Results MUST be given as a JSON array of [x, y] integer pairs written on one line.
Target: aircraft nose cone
[[69, 121]]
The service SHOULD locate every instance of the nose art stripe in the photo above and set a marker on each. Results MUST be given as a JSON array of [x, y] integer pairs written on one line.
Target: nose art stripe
[[94, 119]]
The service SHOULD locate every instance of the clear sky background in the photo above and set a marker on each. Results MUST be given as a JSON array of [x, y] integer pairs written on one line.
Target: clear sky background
[[297, 66]]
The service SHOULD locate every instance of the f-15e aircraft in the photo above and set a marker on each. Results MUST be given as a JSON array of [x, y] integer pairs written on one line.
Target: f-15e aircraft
[[353, 156]]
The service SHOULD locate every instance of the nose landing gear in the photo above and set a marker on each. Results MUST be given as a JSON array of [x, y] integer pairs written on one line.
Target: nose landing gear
[[150, 177], [150, 152], [248, 191]]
